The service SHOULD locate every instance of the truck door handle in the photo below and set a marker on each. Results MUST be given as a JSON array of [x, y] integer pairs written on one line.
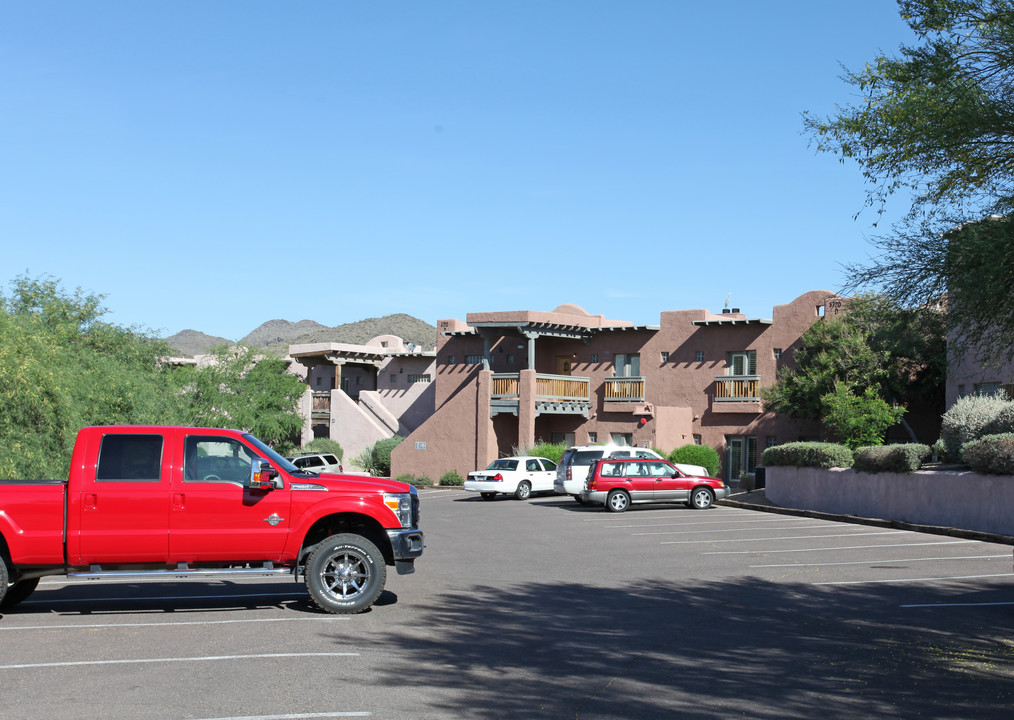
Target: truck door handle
[[178, 499], [90, 500]]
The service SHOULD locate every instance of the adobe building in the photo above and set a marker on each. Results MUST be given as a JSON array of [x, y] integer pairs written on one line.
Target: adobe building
[[506, 380], [360, 394]]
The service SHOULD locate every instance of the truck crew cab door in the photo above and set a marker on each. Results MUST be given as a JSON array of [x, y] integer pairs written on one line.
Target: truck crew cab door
[[122, 502], [213, 516]]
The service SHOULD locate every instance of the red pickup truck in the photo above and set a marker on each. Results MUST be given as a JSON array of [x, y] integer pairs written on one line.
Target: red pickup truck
[[177, 502]]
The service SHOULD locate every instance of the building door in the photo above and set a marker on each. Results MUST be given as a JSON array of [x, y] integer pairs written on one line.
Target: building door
[[564, 364], [740, 456]]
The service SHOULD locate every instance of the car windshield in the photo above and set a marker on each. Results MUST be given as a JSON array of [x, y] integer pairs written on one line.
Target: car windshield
[[503, 464]]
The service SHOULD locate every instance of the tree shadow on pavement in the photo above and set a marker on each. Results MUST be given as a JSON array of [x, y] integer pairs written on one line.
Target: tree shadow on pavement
[[710, 650]]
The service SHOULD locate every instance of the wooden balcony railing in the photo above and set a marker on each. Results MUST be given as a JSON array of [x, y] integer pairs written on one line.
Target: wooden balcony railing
[[737, 387], [624, 389], [561, 387], [321, 402], [547, 387]]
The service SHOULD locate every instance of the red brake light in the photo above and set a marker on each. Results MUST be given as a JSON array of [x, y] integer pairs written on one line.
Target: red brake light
[[498, 478]]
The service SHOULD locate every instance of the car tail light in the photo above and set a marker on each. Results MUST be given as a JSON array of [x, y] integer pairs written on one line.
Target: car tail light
[[497, 478], [569, 476], [591, 483]]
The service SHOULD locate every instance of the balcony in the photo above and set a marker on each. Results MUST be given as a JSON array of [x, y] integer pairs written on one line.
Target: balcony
[[320, 408], [555, 394], [737, 394], [623, 389]]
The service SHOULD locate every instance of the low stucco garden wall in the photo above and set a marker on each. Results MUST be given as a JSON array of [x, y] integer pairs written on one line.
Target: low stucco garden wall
[[956, 499]]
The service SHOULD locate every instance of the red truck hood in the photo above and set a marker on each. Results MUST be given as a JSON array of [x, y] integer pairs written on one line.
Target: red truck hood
[[334, 481]]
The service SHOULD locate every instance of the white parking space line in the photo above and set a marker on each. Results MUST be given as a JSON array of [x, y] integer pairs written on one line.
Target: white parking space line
[[951, 605], [757, 551], [93, 626], [767, 539], [884, 560], [141, 661], [296, 716], [858, 531], [910, 580], [712, 522]]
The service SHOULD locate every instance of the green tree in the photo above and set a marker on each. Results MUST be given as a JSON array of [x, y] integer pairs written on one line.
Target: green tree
[[62, 368], [936, 121], [239, 389], [897, 353], [858, 420]]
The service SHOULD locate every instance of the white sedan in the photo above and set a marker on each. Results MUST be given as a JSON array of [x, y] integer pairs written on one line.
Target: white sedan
[[517, 476]]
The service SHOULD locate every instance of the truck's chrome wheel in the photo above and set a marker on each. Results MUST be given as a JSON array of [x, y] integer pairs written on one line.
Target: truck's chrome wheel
[[345, 574]]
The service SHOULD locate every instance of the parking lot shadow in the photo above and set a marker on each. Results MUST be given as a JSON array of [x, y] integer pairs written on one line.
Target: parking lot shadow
[[714, 650]]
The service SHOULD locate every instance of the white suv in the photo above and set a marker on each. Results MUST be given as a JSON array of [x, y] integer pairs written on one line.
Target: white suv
[[573, 468], [318, 463]]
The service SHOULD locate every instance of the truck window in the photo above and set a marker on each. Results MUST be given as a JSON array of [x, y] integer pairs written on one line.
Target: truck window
[[130, 458], [208, 458]]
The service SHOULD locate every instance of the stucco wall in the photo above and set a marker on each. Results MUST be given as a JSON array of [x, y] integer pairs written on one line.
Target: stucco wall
[[964, 500]]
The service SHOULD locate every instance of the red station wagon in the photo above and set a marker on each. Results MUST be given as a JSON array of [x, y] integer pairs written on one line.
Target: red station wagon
[[616, 483]]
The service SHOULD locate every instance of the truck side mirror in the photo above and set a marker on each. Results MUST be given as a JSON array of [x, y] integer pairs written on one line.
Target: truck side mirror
[[263, 476]]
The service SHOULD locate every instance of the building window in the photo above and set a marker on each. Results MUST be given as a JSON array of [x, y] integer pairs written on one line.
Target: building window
[[700, 356], [627, 365], [451, 360], [961, 391], [394, 379], [622, 439], [510, 358], [473, 359], [319, 379], [697, 439], [424, 378], [665, 357], [742, 363], [988, 388], [778, 353], [595, 357]]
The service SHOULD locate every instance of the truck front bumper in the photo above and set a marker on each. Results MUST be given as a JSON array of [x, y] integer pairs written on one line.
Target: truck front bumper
[[406, 544]]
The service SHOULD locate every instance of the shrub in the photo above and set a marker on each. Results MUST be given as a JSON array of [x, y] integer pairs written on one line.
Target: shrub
[[973, 417], [324, 445], [857, 420], [420, 481], [891, 458], [940, 450], [992, 454], [381, 452], [808, 454], [451, 478], [550, 451], [706, 457]]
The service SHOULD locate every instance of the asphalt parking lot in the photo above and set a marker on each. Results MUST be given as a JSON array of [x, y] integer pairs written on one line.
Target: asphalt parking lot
[[549, 609]]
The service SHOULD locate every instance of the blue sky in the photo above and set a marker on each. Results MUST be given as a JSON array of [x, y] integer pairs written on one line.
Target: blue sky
[[214, 165]]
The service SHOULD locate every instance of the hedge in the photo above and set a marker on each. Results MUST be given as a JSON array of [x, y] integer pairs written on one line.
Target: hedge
[[706, 457], [992, 454], [808, 454], [973, 417], [891, 458]]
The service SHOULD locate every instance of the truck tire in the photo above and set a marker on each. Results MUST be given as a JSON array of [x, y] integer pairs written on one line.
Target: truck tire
[[3, 580], [345, 574], [18, 592]]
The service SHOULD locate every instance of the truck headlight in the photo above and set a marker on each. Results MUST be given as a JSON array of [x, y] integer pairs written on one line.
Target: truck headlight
[[401, 505]]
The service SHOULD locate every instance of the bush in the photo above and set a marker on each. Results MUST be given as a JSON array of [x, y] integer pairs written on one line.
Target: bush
[[973, 417], [706, 457], [451, 478], [323, 445], [550, 451], [891, 458], [992, 454], [378, 461], [808, 454], [420, 481], [940, 450]]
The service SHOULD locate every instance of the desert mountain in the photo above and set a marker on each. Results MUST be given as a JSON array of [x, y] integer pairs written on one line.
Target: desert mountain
[[276, 335]]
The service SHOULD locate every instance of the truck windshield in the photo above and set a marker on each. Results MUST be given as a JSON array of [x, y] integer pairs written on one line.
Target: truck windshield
[[274, 457]]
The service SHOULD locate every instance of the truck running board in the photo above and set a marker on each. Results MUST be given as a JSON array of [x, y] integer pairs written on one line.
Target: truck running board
[[95, 572]]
